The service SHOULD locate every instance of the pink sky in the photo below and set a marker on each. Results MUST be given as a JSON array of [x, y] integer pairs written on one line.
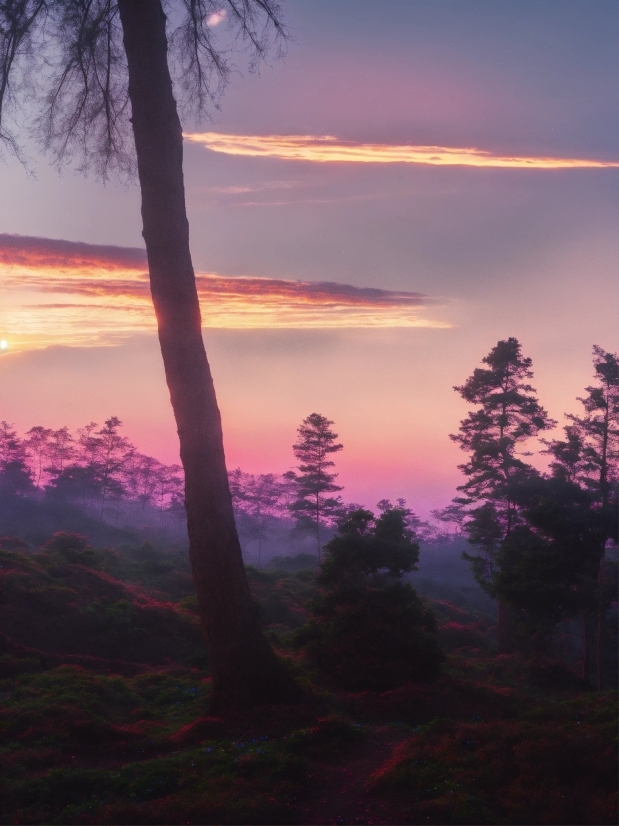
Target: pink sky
[[362, 287]]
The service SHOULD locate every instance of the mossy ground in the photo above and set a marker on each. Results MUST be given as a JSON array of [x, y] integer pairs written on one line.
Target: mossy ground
[[93, 738]]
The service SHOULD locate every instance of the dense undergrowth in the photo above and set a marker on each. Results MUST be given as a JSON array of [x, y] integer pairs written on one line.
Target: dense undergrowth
[[105, 715]]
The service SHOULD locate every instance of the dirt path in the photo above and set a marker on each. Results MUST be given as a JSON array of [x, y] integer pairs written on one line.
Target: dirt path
[[340, 796]]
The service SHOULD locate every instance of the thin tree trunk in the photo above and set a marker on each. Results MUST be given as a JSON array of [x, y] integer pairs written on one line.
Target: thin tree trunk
[[245, 669]]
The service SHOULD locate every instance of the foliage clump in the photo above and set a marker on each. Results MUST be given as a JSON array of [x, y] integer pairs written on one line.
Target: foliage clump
[[369, 630]]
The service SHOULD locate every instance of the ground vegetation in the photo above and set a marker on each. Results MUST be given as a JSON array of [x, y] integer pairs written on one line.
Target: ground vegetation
[[105, 717]]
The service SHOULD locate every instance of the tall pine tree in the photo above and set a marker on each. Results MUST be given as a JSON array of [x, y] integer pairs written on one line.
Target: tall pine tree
[[507, 415], [314, 503]]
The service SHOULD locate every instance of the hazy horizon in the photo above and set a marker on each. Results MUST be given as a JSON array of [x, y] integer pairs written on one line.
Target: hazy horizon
[[368, 218]]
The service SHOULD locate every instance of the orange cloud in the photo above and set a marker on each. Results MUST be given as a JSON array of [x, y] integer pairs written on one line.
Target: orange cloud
[[103, 295], [326, 148], [27, 252]]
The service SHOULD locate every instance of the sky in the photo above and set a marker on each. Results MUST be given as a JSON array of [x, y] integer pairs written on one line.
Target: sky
[[413, 182]]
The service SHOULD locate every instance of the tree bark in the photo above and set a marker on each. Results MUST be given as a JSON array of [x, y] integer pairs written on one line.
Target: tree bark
[[245, 669]]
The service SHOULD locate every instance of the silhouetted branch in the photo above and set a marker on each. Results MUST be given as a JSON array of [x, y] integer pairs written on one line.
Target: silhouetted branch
[[81, 71], [17, 20]]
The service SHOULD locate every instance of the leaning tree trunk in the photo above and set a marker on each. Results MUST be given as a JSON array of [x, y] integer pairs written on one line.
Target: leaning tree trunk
[[245, 669]]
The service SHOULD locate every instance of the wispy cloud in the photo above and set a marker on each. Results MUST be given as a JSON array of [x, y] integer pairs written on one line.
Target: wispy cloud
[[329, 149], [103, 295], [47, 253], [244, 189]]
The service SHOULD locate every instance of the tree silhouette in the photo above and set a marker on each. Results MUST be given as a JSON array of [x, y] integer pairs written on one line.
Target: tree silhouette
[[104, 68], [15, 475], [508, 414], [368, 629], [590, 452], [113, 450], [589, 455], [37, 445], [547, 567], [61, 449], [312, 504]]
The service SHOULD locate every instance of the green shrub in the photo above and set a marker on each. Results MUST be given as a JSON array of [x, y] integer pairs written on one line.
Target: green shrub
[[369, 631]]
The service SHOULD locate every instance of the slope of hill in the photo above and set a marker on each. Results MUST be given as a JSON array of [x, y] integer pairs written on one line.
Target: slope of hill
[[105, 714]]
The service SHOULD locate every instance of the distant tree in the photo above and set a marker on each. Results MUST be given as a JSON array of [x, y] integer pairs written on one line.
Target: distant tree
[[16, 478], [240, 489], [15, 475], [78, 484], [12, 448], [38, 448], [369, 630], [140, 479], [267, 497], [239, 482], [453, 515], [259, 500], [113, 452], [312, 506], [96, 468], [105, 72], [61, 451], [169, 484], [88, 446], [92, 468], [508, 414]]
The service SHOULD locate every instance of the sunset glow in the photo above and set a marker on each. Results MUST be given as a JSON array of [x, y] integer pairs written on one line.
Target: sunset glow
[[389, 151], [326, 148], [102, 295]]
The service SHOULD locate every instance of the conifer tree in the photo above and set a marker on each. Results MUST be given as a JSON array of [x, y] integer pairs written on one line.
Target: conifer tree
[[507, 415], [15, 475], [37, 445], [589, 453], [313, 505]]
